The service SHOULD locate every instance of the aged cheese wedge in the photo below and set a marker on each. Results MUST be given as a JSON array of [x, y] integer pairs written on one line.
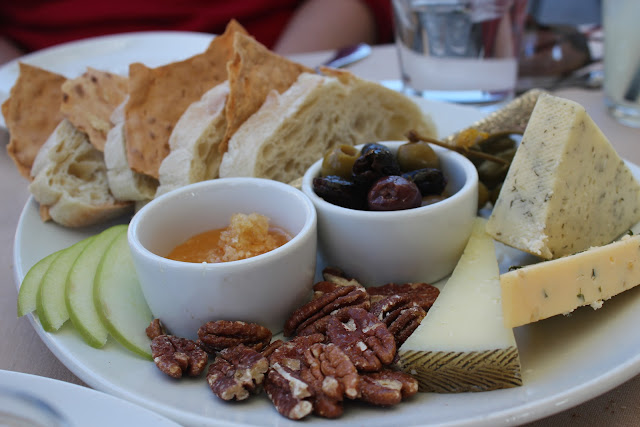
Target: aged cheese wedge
[[567, 189], [560, 286], [462, 344]]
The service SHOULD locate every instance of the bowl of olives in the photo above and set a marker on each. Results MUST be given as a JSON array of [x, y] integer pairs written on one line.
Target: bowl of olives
[[394, 210]]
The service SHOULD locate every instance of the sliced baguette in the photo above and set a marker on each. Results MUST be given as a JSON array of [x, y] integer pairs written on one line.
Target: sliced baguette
[[125, 184], [293, 129], [70, 180], [194, 154]]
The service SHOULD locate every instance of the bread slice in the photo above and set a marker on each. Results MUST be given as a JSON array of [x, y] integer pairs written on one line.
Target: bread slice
[[31, 113], [89, 100], [159, 96], [125, 184], [293, 129], [253, 72], [70, 180], [194, 154], [378, 113]]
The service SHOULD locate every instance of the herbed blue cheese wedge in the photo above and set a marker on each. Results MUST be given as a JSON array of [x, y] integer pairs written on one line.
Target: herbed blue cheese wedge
[[462, 344], [567, 189], [560, 286]]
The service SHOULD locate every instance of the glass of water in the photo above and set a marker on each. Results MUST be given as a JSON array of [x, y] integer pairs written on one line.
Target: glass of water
[[462, 51], [622, 60]]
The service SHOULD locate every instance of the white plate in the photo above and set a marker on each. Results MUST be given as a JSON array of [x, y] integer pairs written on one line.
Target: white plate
[[565, 360], [79, 406]]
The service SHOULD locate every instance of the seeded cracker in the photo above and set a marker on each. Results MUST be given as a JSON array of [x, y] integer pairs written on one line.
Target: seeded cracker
[[253, 72], [31, 113], [89, 100], [159, 96]]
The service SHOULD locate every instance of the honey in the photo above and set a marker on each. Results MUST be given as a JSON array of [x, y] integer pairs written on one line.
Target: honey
[[245, 237]]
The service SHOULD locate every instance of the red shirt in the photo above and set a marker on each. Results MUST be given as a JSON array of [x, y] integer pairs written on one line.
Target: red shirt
[[36, 24]]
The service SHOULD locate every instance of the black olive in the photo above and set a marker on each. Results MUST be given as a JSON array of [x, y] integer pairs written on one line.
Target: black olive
[[340, 192], [376, 162], [367, 147], [392, 193], [430, 181]]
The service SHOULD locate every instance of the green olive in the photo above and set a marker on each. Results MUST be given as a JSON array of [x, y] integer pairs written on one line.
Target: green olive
[[339, 161], [417, 155]]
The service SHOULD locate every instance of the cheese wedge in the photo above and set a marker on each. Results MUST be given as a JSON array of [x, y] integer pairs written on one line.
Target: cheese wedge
[[462, 344], [559, 286], [567, 189]]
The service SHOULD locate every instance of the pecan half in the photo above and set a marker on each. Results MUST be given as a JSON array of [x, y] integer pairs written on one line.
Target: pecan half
[[177, 356], [237, 372], [155, 329], [273, 346], [289, 394], [386, 387], [220, 334], [364, 338], [334, 278], [332, 371], [291, 354], [400, 313], [422, 294], [314, 310], [338, 277]]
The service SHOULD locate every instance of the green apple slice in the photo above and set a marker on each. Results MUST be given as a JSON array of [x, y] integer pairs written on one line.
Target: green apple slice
[[79, 288], [50, 301], [31, 284], [119, 299]]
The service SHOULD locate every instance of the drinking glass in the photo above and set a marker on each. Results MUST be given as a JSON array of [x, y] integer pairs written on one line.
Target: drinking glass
[[622, 60], [462, 51]]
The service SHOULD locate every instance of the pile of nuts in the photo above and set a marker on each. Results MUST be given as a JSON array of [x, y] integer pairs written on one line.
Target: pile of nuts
[[342, 345]]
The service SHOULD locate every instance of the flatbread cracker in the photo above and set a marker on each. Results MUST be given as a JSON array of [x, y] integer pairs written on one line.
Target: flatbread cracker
[[253, 72], [89, 100], [159, 96], [31, 113]]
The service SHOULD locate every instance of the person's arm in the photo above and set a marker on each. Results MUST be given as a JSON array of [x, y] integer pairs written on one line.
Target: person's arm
[[327, 24], [8, 50]]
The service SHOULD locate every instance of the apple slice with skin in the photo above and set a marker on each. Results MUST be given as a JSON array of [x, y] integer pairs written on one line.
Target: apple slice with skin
[[119, 299], [79, 288], [31, 283], [50, 301]]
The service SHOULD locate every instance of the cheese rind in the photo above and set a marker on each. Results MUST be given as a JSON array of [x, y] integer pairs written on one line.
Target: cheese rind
[[567, 189], [560, 286], [462, 343]]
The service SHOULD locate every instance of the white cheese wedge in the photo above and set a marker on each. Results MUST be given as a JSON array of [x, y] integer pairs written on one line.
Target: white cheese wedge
[[559, 286], [567, 189], [462, 344]]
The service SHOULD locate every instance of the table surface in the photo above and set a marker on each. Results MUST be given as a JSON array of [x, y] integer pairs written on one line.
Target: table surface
[[22, 350]]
